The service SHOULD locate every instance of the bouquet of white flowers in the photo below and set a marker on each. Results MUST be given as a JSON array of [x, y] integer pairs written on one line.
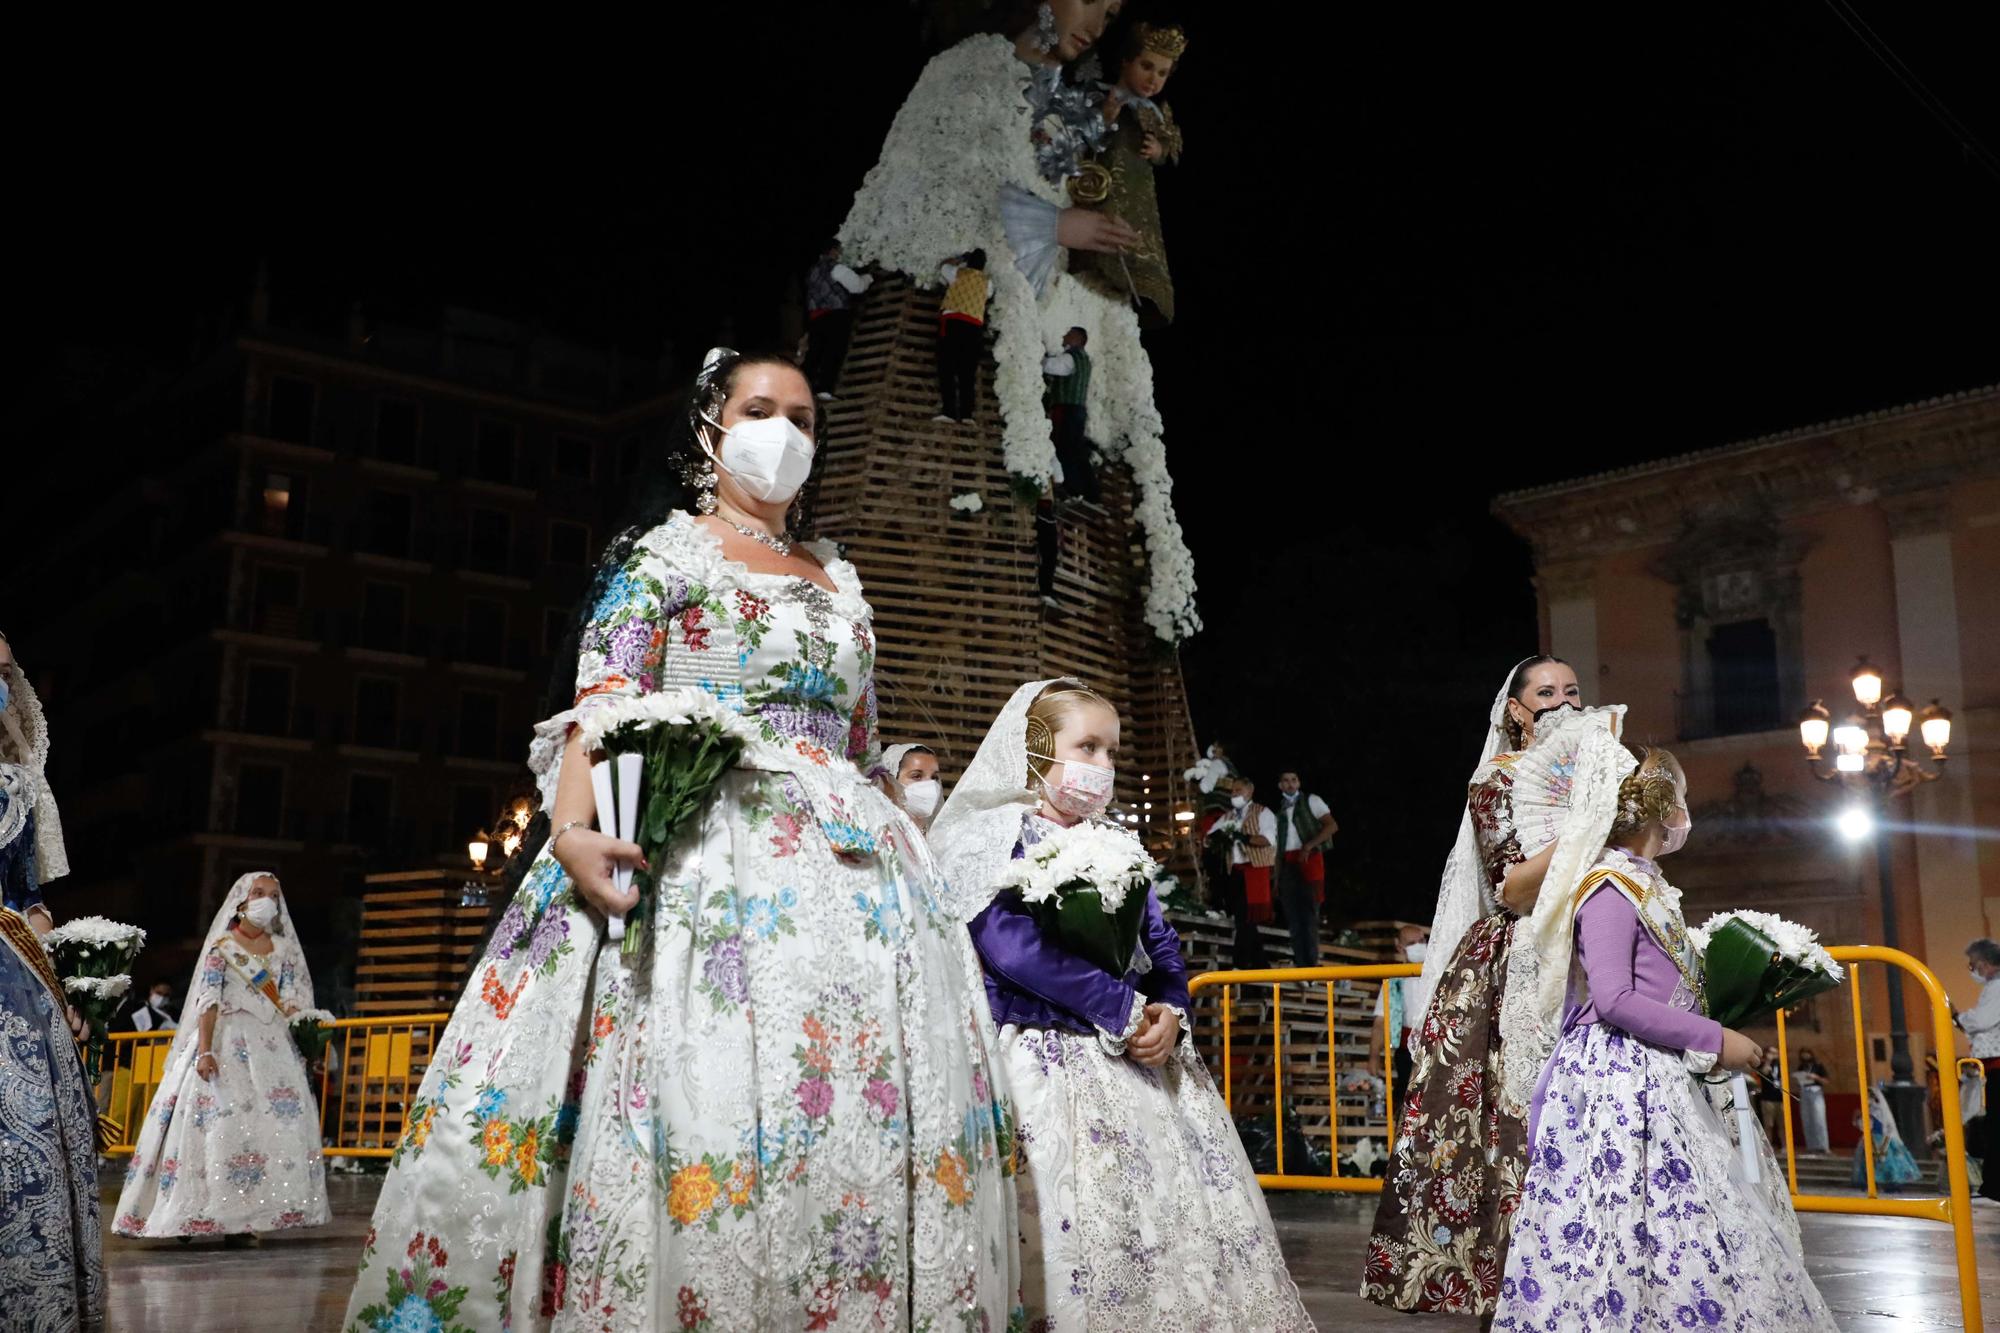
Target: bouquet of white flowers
[[668, 752], [1753, 965], [1088, 885], [312, 1029], [93, 956]]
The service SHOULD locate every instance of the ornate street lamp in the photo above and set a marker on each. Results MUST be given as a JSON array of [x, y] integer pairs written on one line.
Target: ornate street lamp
[[1872, 759]]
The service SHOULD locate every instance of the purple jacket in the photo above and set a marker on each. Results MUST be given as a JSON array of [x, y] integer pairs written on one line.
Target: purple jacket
[[1033, 982]]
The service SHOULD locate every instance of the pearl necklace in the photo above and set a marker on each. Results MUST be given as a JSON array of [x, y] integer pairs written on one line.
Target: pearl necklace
[[780, 542]]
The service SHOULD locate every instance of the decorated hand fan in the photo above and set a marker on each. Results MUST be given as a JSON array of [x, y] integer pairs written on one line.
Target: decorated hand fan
[[1542, 774]]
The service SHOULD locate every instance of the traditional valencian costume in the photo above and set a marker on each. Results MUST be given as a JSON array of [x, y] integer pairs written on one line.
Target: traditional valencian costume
[[51, 1270], [781, 1111], [1139, 1208], [239, 1153], [1441, 1228], [1636, 1212]]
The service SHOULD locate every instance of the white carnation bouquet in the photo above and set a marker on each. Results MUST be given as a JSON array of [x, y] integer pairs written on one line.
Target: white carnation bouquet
[[1088, 885], [667, 753], [312, 1029], [93, 956]]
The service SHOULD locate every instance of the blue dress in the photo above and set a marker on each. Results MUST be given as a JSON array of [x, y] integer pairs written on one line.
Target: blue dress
[[51, 1268]]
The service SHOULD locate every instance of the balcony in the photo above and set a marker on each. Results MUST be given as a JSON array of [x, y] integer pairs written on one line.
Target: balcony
[[1705, 714]]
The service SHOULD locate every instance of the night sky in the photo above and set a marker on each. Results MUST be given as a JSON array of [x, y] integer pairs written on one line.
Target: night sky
[[1422, 256]]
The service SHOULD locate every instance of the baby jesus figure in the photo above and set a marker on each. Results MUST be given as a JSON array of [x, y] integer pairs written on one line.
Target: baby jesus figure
[[1143, 135]]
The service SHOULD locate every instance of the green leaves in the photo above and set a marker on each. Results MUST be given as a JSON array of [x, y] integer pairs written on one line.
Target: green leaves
[[683, 766], [1749, 979], [1079, 921]]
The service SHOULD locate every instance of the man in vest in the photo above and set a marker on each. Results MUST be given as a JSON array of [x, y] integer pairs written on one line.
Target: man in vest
[[961, 334], [1304, 826], [1251, 829], [1066, 377], [831, 287]]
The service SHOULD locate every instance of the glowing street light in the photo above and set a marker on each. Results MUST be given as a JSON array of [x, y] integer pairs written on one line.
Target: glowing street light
[[1855, 823]]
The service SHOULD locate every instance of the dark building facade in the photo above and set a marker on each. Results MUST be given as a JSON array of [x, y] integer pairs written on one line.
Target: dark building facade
[[312, 631]]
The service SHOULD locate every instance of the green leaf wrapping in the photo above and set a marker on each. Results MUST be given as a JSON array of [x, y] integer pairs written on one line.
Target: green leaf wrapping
[[1749, 980], [683, 765], [1076, 917]]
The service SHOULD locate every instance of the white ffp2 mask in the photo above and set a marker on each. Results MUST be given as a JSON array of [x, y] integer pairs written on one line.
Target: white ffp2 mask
[[922, 797], [769, 457], [261, 913]]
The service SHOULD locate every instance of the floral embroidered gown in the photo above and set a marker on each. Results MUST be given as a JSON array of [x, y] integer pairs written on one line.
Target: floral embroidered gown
[[781, 1113], [1441, 1228], [241, 1152], [1635, 1213]]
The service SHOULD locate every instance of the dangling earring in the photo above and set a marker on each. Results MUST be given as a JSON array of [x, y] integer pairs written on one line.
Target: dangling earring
[[1046, 39], [699, 473]]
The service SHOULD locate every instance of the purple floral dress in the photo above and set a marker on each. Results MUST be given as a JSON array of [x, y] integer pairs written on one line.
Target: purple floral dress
[[1635, 1215], [782, 1112]]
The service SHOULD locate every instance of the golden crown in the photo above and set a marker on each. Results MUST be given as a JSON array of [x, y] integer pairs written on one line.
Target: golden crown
[[1168, 42]]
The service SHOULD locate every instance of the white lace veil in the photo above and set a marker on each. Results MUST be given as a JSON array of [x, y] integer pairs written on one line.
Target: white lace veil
[[24, 740], [892, 758], [284, 947], [973, 837], [1465, 895]]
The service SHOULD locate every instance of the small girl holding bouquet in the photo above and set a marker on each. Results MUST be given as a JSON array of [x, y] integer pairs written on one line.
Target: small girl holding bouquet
[[1636, 1212], [1138, 1207]]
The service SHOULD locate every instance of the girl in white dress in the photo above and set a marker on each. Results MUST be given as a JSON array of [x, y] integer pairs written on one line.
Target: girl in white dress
[[1139, 1209], [231, 1144], [781, 1110]]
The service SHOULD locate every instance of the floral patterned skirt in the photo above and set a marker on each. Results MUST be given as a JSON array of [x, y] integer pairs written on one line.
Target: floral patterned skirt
[[781, 1112], [236, 1154], [51, 1270], [1440, 1240], [1634, 1215], [1139, 1209]]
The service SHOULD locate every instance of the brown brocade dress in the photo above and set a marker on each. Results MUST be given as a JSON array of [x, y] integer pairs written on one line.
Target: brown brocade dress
[[1454, 1178]]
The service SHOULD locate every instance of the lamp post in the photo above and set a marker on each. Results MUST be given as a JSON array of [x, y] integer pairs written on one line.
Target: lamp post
[[509, 827], [1873, 759]]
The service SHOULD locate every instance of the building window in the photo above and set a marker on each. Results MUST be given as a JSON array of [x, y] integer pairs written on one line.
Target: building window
[[267, 700], [490, 541], [555, 628], [471, 807], [260, 800], [378, 707], [485, 630], [388, 522], [569, 543], [281, 507], [396, 432], [371, 801], [1743, 669], [575, 457], [277, 601], [478, 724], [292, 403], [384, 611], [495, 452]]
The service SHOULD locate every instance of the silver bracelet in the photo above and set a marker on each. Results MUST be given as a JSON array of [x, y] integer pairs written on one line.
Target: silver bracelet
[[557, 836]]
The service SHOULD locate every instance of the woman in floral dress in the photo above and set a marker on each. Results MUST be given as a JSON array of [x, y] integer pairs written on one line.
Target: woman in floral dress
[[1440, 1240], [231, 1144], [780, 1110]]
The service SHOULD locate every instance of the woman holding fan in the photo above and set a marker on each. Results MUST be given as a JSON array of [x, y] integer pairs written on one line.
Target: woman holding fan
[[1441, 1228], [231, 1144], [1138, 1206]]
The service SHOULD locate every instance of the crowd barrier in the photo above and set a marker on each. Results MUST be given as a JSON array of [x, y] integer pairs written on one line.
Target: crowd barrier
[[371, 1072], [1953, 1208]]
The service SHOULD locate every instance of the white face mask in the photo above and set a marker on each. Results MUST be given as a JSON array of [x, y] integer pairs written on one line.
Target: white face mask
[[1677, 834], [1084, 792], [1417, 952], [261, 912], [922, 797], [161, 1001], [1239, 801], [769, 457]]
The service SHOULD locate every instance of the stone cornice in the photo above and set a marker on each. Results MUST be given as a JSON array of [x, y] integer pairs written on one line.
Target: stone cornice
[[1905, 452]]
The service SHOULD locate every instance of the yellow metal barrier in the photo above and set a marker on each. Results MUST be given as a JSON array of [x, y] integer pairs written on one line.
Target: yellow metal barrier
[[372, 1070], [1953, 1209]]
